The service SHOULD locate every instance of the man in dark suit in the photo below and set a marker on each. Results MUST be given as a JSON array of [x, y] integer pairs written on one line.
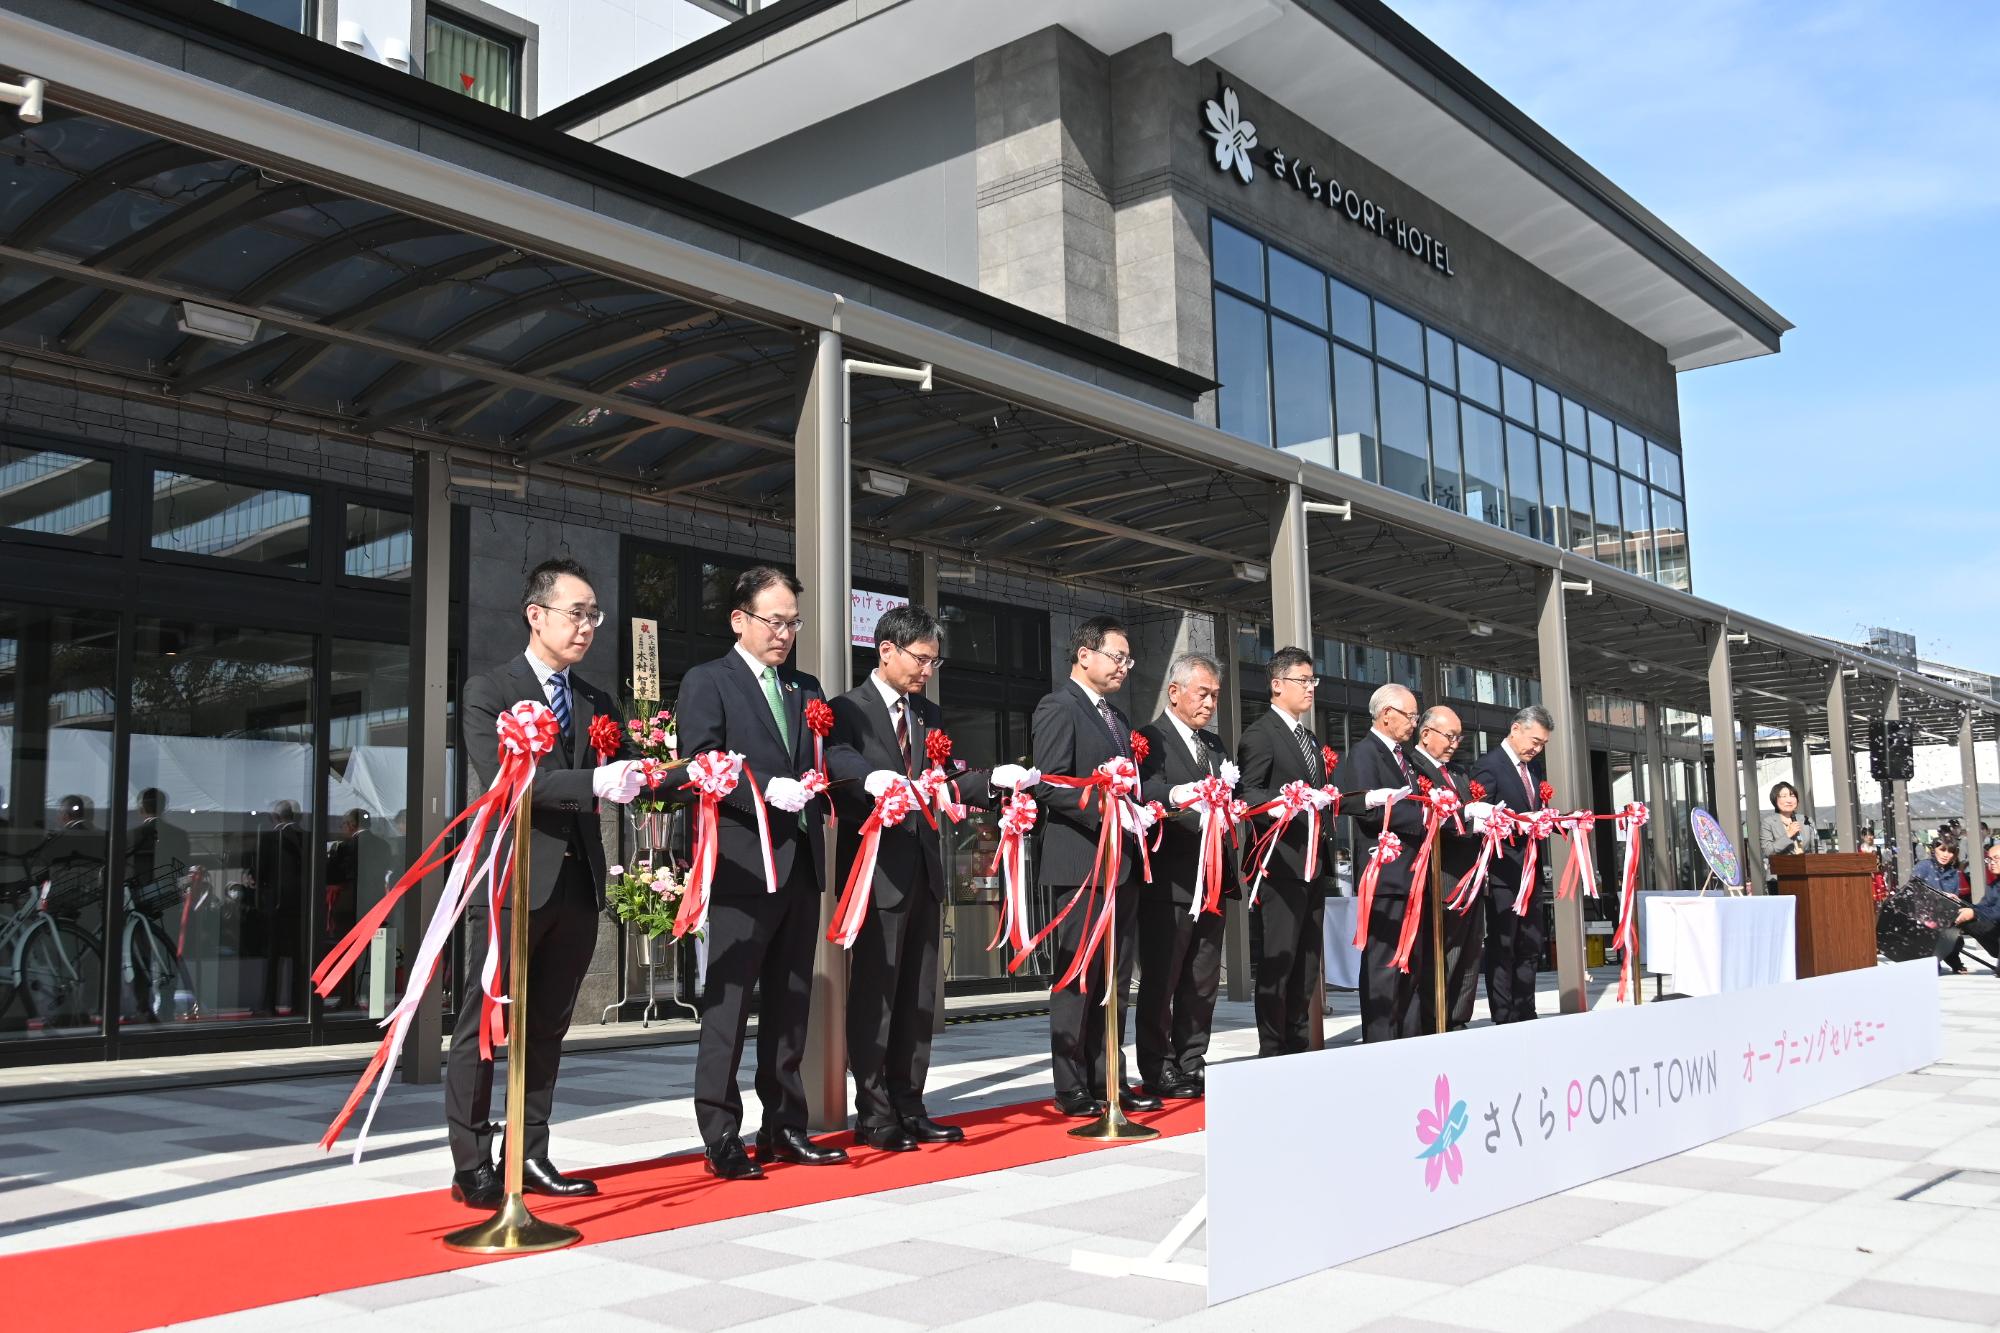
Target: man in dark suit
[[1512, 772], [1278, 747], [1379, 766], [1076, 727], [1180, 955], [565, 878], [751, 702], [279, 870], [880, 729], [158, 846], [1438, 734]]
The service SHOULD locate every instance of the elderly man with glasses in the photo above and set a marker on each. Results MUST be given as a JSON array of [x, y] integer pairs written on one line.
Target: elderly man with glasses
[[1373, 778], [1438, 735]]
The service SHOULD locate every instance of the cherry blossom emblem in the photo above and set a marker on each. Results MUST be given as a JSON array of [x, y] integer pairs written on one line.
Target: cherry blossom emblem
[[1234, 136], [1439, 1128]]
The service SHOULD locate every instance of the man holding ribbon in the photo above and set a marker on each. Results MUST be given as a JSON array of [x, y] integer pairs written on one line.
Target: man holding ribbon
[[1076, 729], [565, 877], [1438, 734], [885, 732], [1512, 775], [1180, 937], [1378, 765], [1279, 752], [763, 915]]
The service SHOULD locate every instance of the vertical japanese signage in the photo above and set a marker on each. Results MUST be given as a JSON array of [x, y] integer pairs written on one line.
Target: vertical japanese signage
[[645, 658]]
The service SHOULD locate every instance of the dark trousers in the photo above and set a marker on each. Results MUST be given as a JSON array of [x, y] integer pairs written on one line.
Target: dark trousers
[[1292, 915], [761, 940], [1180, 965], [1514, 947], [1392, 1001], [892, 991], [1076, 1019], [1464, 941], [562, 934], [1951, 940], [282, 973]]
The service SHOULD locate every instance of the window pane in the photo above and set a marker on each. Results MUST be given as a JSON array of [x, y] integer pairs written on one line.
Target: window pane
[[1631, 452], [230, 520], [1442, 356], [1519, 394], [1238, 259], [655, 589], [1305, 407], [1298, 289], [58, 692], [1243, 403], [290, 14], [974, 635], [1670, 540], [1354, 405], [64, 495], [1639, 525], [1350, 314], [222, 729], [378, 543], [1447, 488], [1399, 338], [718, 598], [1485, 466], [1604, 505], [367, 768], [1603, 446], [1575, 433], [1478, 377], [1555, 493], [468, 62], [1548, 411], [1524, 490], [1582, 537], [1666, 468], [1406, 451]]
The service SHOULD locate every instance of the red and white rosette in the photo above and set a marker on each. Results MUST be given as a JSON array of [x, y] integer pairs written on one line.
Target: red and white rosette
[[1440, 804], [1582, 868], [1387, 848], [1010, 861], [1293, 799], [1214, 799], [712, 775], [1626, 938], [484, 860], [1537, 828], [1112, 784], [819, 721], [1501, 825], [898, 799]]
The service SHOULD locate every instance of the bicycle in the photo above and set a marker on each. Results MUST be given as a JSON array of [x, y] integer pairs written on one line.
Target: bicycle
[[44, 960]]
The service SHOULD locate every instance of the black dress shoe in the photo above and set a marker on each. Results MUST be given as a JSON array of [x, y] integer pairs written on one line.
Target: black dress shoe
[[887, 1138], [727, 1161], [1137, 1099], [539, 1176], [926, 1130], [792, 1145], [1080, 1105], [480, 1187], [1174, 1089]]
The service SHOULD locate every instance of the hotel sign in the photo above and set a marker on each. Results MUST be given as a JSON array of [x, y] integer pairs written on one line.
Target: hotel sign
[[1237, 152]]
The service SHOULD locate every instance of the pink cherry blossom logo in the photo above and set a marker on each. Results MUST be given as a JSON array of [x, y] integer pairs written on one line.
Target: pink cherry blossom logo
[[1439, 1128]]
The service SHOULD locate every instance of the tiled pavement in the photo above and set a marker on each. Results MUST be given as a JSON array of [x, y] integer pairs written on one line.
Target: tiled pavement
[[1879, 1211]]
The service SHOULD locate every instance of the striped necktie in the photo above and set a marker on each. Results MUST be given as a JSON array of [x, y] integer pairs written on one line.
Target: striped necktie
[[559, 699]]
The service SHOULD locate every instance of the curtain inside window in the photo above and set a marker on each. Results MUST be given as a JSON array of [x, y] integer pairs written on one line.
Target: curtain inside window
[[464, 61]]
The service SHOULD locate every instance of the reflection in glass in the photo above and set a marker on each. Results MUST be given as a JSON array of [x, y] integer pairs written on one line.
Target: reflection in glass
[[1548, 411], [1575, 431], [1399, 338], [1485, 466], [1238, 259], [1666, 468], [230, 520], [1670, 539], [1631, 452], [1478, 377], [222, 729], [1639, 523], [1304, 402], [368, 698], [973, 636], [1406, 452], [1298, 289], [1524, 491], [1582, 537], [57, 696], [1243, 403], [1518, 392], [1350, 315], [1603, 445], [1555, 494], [655, 593], [1610, 535], [377, 543], [1442, 358], [1447, 488], [1354, 407], [62, 495]]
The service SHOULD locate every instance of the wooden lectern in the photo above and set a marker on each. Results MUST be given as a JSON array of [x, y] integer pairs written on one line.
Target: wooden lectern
[[1835, 896]]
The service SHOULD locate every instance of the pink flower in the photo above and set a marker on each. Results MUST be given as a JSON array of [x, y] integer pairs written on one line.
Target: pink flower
[[656, 737], [1439, 1129], [664, 715]]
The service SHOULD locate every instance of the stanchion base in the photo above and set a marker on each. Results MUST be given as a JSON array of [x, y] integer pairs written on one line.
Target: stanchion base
[[514, 1230], [1113, 1127]]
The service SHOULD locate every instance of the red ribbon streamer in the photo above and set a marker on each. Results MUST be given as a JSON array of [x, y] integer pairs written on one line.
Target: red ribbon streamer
[[1114, 781], [1626, 938], [1017, 819], [896, 801], [1387, 848], [1439, 805]]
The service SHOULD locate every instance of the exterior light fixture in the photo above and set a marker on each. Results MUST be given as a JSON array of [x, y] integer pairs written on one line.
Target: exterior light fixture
[[224, 326], [1250, 572], [1479, 629], [886, 484]]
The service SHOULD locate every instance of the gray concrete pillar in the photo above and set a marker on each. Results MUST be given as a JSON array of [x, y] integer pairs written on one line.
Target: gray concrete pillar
[[1802, 769], [1229, 726], [1291, 626], [1664, 815], [1840, 742], [1722, 717], [1566, 774], [425, 796], [1754, 804]]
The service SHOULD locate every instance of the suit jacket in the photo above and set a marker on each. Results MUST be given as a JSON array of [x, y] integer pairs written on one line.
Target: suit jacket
[[723, 707], [1070, 739], [910, 857], [157, 847], [564, 805], [1270, 757], [1368, 765], [1496, 772], [280, 869], [1456, 852], [1169, 763]]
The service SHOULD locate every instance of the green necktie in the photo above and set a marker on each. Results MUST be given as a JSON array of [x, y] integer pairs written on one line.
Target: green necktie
[[777, 702]]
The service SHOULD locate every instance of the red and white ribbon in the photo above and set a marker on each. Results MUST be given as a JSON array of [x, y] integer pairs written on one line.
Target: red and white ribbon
[[1010, 862], [898, 799], [1626, 938], [1112, 785], [483, 859], [939, 794], [1214, 799], [1577, 826], [712, 775], [1500, 828], [1292, 800], [1440, 804], [1536, 828], [1387, 848]]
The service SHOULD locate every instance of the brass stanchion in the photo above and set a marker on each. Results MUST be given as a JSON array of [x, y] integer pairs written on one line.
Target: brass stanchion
[[515, 1230], [1112, 1125], [1438, 995]]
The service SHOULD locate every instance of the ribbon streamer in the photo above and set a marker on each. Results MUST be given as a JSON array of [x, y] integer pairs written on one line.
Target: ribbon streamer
[[1387, 848], [1112, 785], [712, 775], [1292, 799], [1440, 804], [1017, 820], [1626, 938], [1536, 828], [1500, 828], [1215, 801], [897, 800], [1582, 868]]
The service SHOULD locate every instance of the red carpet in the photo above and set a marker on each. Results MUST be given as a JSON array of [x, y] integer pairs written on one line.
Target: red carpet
[[133, 1282]]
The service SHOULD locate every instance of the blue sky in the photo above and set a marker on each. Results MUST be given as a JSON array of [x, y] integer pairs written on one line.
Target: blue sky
[[1840, 160]]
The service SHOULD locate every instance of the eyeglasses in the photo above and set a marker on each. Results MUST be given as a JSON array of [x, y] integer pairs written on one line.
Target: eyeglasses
[[777, 626], [580, 616], [1406, 712], [1125, 660], [924, 660], [1452, 737], [1310, 682]]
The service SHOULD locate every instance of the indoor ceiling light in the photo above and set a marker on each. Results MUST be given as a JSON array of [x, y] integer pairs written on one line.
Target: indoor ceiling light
[[224, 326], [1479, 629]]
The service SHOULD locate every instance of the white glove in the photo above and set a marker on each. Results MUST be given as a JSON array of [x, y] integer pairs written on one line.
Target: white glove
[[1137, 819], [618, 782], [1317, 798], [786, 794], [1381, 796], [1478, 810], [1009, 777], [1181, 795], [880, 781]]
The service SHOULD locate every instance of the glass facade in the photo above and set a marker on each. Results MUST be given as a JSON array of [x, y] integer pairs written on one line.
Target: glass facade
[[1316, 367]]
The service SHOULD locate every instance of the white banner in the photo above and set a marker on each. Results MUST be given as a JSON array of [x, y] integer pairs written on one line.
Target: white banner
[[1413, 1137], [864, 608]]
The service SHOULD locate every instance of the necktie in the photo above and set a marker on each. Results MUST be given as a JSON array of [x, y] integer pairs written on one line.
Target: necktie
[[1528, 786], [902, 711], [1200, 752], [559, 699], [776, 699], [1111, 724], [1401, 763]]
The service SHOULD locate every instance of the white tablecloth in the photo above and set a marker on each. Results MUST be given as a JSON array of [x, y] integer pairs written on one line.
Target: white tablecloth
[[1709, 943], [1343, 960]]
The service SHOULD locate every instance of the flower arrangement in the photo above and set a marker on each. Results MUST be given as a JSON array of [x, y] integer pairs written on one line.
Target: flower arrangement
[[652, 733], [645, 897]]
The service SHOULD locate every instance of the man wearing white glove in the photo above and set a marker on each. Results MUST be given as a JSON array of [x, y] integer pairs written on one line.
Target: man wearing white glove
[[1379, 764], [1013, 777], [1381, 796], [566, 872], [1438, 734], [1180, 954], [752, 702]]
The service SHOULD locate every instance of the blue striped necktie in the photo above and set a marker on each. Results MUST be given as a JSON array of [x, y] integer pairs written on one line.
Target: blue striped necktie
[[559, 699]]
